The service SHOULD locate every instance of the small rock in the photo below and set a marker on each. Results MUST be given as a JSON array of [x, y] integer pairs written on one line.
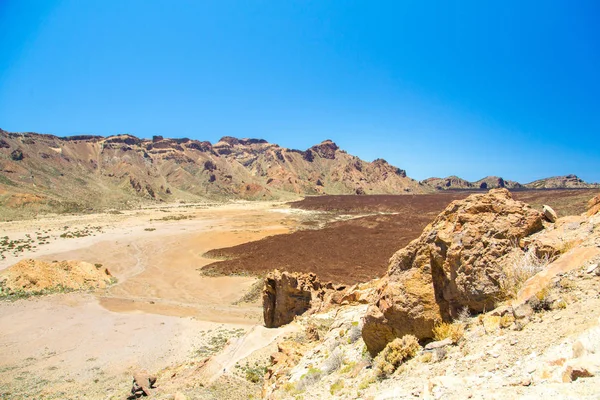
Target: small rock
[[591, 268], [438, 344], [522, 311], [312, 334], [526, 381], [579, 349], [557, 317], [578, 370], [501, 311], [549, 213], [566, 375]]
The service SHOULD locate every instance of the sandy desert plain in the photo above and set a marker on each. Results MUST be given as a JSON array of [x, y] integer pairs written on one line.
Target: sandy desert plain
[[166, 316]]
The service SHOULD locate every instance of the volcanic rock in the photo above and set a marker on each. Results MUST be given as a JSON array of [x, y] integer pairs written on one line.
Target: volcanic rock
[[495, 182], [560, 182], [455, 263], [286, 295], [593, 206], [451, 182]]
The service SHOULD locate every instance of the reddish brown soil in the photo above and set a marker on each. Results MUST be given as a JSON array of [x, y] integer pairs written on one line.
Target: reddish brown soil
[[359, 249]]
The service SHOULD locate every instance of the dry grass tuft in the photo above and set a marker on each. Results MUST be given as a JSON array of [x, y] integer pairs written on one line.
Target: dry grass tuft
[[445, 330], [517, 270]]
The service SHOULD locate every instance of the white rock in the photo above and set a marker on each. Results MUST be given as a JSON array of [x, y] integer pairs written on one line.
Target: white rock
[[549, 213], [438, 344], [591, 268]]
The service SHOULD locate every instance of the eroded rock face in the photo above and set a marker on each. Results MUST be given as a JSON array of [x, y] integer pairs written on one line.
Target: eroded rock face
[[455, 263], [286, 295], [593, 206], [405, 304]]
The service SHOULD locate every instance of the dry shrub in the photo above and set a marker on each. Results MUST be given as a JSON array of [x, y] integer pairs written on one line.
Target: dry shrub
[[542, 300], [495, 322], [354, 333], [395, 353], [464, 315], [426, 357], [518, 269], [333, 362], [440, 354], [445, 330], [312, 376]]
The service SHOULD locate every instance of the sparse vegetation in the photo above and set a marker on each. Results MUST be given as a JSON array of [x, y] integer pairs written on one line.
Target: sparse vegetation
[[336, 387], [542, 300], [395, 353], [253, 294], [78, 233], [312, 376], [517, 270], [366, 382], [18, 294], [217, 341], [444, 330], [354, 333], [254, 373], [178, 217], [333, 362]]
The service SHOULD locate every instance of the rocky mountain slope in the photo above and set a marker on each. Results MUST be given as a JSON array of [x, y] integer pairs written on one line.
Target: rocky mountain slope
[[89, 172], [555, 182], [494, 182]]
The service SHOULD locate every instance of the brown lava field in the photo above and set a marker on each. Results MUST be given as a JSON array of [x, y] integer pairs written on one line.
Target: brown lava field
[[358, 249]]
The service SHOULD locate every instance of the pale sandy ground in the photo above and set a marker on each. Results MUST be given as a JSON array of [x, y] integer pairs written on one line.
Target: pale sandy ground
[[161, 311]]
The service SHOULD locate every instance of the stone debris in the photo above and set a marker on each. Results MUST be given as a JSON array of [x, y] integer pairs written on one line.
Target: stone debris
[[549, 213], [143, 383]]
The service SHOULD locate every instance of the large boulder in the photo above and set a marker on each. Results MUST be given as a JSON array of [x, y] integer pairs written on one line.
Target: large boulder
[[455, 263]]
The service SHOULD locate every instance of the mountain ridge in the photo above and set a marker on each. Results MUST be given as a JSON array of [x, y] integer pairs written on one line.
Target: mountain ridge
[[570, 181], [85, 172]]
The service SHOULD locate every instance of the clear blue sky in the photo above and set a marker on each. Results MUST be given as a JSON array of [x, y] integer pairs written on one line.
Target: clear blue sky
[[470, 88]]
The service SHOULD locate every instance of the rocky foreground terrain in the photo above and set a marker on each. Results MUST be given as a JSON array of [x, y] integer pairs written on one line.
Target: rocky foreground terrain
[[495, 299], [80, 173]]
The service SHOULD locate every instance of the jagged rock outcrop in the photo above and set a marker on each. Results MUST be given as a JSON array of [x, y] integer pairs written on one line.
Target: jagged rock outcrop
[[495, 182], [451, 182], [455, 263], [288, 294], [593, 206], [560, 182]]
